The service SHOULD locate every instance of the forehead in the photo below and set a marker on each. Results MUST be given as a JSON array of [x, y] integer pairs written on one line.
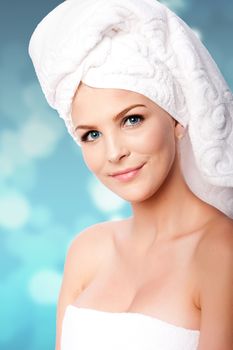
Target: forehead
[[88, 99]]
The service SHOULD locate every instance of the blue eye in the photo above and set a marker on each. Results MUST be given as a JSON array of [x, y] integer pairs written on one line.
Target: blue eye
[[90, 136], [133, 120], [129, 121]]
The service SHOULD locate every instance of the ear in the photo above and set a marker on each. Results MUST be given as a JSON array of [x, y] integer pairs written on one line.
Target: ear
[[179, 130]]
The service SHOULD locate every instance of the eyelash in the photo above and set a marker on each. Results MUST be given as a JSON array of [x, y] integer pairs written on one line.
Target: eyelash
[[139, 116]]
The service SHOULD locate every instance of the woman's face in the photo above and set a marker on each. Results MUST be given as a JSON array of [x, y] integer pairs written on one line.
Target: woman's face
[[120, 130]]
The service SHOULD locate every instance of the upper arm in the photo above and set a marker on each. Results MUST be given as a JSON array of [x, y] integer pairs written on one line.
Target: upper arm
[[215, 259], [82, 260], [72, 284]]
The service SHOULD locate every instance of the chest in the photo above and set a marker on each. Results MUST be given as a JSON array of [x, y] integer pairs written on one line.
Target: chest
[[159, 284]]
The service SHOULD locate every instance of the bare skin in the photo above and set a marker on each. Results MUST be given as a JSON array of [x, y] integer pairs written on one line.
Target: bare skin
[[161, 261]]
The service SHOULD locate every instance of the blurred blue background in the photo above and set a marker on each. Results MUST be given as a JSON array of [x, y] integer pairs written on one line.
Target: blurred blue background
[[47, 195]]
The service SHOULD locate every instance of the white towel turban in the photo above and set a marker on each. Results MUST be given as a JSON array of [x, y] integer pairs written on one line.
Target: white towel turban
[[142, 46]]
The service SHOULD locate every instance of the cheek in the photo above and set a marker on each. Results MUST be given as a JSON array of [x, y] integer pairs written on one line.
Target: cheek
[[153, 139], [92, 159]]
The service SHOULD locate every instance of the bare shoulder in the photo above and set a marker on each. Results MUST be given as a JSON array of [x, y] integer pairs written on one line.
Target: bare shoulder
[[93, 237], [214, 251], [214, 262], [97, 237], [89, 248], [216, 240], [86, 253]]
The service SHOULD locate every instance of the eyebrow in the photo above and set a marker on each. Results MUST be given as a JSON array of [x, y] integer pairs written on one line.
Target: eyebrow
[[117, 116]]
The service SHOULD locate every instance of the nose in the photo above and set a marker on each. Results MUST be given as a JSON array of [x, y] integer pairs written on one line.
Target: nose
[[116, 149]]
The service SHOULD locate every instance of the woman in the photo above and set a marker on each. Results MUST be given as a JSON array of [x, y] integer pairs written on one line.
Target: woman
[[153, 116]]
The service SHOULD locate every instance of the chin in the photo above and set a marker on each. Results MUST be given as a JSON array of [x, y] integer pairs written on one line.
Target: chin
[[139, 197], [135, 194]]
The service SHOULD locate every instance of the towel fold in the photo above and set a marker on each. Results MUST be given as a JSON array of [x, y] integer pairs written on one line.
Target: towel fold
[[142, 46]]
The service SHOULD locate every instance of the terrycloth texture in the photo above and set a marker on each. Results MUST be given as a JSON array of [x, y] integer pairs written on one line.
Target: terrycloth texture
[[89, 329], [142, 46]]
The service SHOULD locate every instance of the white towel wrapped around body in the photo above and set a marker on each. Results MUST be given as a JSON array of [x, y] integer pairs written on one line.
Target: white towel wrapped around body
[[142, 46]]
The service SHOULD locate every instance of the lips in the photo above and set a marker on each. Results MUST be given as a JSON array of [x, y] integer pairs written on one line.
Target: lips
[[125, 171]]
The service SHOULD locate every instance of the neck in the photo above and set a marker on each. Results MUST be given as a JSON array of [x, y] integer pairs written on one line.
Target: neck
[[174, 210]]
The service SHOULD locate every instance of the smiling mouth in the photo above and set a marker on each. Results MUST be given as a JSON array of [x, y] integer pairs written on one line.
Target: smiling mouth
[[128, 174], [126, 171]]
